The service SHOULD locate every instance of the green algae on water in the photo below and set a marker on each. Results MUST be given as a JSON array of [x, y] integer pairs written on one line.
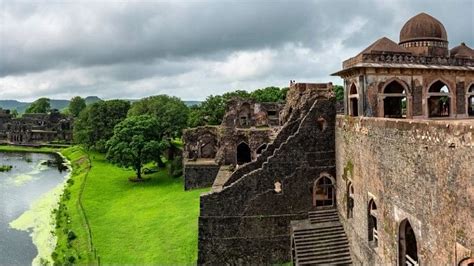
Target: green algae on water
[[40, 222]]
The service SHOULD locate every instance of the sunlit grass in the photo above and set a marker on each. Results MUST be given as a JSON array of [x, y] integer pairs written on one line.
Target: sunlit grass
[[153, 222]]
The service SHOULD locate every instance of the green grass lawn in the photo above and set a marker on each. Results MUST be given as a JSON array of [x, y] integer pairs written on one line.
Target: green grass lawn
[[154, 222]]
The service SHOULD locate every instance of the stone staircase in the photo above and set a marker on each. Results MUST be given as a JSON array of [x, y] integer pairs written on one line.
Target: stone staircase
[[223, 175], [320, 240]]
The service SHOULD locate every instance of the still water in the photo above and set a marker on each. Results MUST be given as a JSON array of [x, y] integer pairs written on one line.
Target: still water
[[28, 180]]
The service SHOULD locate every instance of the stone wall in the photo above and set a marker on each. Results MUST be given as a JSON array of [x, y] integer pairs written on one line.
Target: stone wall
[[414, 169], [199, 175], [248, 221]]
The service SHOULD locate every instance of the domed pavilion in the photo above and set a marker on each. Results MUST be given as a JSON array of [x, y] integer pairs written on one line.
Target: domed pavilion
[[418, 77]]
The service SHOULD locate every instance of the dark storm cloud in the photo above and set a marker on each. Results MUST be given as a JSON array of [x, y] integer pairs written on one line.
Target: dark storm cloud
[[195, 48]]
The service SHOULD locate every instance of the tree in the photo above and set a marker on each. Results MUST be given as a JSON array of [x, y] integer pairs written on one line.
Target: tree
[[339, 91], [209, 112], [76, 105], [42, 105], [269, 94], [237, 93], [96, 123], [170, 112], [135, 142]]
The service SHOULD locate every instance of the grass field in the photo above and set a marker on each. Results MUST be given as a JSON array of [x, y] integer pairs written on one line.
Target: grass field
[[154, 222]]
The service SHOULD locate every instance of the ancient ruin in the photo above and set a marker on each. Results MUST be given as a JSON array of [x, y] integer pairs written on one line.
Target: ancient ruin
[[390, 182], [35, 128]]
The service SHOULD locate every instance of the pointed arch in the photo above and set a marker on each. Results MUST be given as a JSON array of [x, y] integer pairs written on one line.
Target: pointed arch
[[353, 100], [323, 191], [407, 244], [394, 100], [372, 223], [439, 99], [396, 81]]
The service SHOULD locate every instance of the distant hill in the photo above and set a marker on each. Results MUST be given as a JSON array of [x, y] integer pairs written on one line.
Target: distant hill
[[191, 103], [20, 107]]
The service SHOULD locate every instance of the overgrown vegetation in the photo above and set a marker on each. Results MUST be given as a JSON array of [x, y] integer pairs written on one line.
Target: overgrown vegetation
[[6, 168]]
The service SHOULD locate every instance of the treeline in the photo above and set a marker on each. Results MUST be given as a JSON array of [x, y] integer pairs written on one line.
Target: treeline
[[133, 135]]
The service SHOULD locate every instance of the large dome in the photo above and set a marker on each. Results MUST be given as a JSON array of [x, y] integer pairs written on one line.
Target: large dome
[[423, 27]]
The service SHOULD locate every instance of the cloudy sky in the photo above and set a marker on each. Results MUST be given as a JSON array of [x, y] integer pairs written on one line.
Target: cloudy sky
[[191, 49]]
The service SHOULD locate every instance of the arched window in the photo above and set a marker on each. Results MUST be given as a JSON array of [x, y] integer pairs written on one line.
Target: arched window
[[261, 148], [470, 100], [372, 223], [407, 248], [439, 100], [350, 200], [243, 153], [323, 191], [395, 100], [353, 101]]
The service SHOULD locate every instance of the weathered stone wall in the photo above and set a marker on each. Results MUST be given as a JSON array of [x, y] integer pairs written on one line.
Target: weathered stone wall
[[199, 175], [248, 221], [415, 169]]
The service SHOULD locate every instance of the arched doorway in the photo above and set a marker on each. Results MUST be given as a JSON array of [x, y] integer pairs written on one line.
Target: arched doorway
[[243, 153], [395, 100], [470, 100], [372, 223], [407, 248], [353, 101], [323, 192], [439, 100]]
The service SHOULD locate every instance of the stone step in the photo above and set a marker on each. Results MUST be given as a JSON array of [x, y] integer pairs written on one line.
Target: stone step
[[323, 220], [341, 261], [326, 243], [318, 230], [319, 238], [328, 259], [323, 250], [319, 233], [328, 210]]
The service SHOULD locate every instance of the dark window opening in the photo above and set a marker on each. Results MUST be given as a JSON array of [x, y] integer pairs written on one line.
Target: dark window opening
[[272, 113], [243, 154], [470, 106], [439, 87], [354, 107], [261, 148], [372, 224], [350, 201], [395, 107], [323, 192], [408, 253]]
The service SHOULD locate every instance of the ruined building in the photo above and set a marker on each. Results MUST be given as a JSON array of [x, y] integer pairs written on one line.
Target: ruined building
[[35, 128], [388, 183], [247, 128]]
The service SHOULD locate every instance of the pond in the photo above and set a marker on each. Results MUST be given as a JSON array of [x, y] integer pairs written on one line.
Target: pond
[[30, 180]]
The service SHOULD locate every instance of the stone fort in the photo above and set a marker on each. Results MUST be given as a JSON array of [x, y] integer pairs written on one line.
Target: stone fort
[[388, 182]]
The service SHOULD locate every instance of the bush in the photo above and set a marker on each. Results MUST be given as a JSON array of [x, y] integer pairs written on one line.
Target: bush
[[176, 167]]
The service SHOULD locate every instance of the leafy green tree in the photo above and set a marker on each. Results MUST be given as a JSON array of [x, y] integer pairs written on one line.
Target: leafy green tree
[[269, 94], [135, 142], [96, 123], [76, 105], [42, 105], [209, 112], [171, 113], [237, 93], [339, 91]]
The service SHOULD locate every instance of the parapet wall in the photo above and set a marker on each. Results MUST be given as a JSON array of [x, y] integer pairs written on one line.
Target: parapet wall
[[413, 169]]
